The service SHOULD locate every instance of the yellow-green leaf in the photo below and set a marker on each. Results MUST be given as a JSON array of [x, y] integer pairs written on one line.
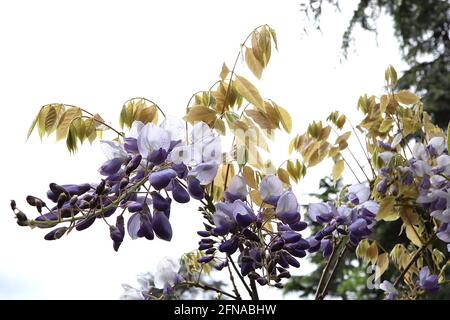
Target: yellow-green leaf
[[384, 102], [387, 211], [260, 118], [372, 253], [292, 170], [406, 97], [338, 168], [249, 176], [412, 235], [33, 124], [65, 120], [390, 75], [246, 89], [382, 265], [224, 72], [200, 113], [50, 120], [253, 63], [283, 175], [71, 140], [285, 117], [274, 37]]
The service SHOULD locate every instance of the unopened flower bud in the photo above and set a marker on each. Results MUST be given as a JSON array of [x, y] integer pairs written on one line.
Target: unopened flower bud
[[253, 275], [247, 259], [61, 200], [205, 259], [57, 189], [100, 187], [13, 205], [56, 233], [73, 200], [133, 164], [123, 183], [279, 285], [262, 281], [93, 203], [22, 219]]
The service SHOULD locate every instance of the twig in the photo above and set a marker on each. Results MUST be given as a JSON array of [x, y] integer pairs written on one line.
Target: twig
[[235, 289], [206, 287], [413, 259], [240, 276], [333, 273]]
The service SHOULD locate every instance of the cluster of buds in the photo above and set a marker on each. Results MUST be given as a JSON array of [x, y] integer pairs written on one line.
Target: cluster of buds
[[267, 240]]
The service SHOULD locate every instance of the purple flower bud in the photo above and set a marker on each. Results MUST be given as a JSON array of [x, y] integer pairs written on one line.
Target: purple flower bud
[[221, 265], [229, 246], [301, 244], [130, 145], [133, 164], [326, 247], [161, 226], [299, 226], [210, 251], [195, 189], [382, 187], [55, 233], [299, 253], [146, 228], [161, 179], [84, 224], [314, 244], [135, 207], [277, 245], [111, 167], [262, 281], [204, 246], [158, 156], [250, 235], [13, 205], [203, 233], [205, 259], [290, 236], [282, 261], [179, 194], [292, 261], [180, 169], [117, 233], [160, 203]]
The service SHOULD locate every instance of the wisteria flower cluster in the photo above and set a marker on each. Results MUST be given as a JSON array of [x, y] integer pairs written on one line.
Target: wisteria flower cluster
[[251, 214], [152, 158], [354, 219], [264, 254]]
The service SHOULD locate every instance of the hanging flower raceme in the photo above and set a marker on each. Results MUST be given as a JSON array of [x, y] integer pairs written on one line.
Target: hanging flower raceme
[[139, 175], [268, 241], [353, 220]]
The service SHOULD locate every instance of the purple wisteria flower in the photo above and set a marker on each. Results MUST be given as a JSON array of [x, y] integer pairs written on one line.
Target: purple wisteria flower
[[236, 227], [389, 289], [355, 219], [141, 176], [427, 281]]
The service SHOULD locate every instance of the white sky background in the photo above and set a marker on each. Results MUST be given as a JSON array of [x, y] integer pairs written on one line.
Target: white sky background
[[97, 54]]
